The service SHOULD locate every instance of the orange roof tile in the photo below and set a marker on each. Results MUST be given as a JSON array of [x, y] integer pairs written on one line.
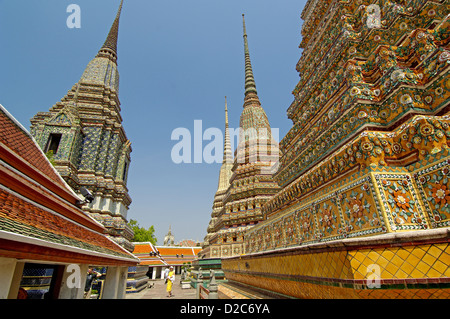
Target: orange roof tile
[[142, 248], [13, 136], [18, 215], [172, 251]]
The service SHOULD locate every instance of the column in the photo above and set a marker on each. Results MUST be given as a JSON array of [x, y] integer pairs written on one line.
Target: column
[[7, 270], [16, 279], [122, 284], [73, 282], [115, 283]]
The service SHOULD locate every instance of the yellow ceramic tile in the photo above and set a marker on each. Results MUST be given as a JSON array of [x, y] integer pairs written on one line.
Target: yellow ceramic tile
[[400, 274], [432, 273], [373, 256], [403, 253], [445, 257], [391, 269], [423, 267], [409, 248], [434, 251], [412, 259], [362, 254], [388, 254], [447, 272], [407, 267], [382, 262], [355, 262], [358, 275], [394, 250], [418, 252], [442, 247], [429, 259], [440, 267], [396, 260], [333, 262], [416, 273], [343, 256]]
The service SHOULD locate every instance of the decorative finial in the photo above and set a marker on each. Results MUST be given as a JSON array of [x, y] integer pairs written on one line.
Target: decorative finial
[[226, 113], [110, 45], [250, 86], [243, 22]]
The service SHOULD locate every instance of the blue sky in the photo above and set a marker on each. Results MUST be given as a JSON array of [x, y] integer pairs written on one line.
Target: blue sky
[[178, 59]]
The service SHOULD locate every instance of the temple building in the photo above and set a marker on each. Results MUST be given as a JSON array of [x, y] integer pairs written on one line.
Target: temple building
[[156, 259], [251, 183], [364, 205], [84, 138], [47, 242]]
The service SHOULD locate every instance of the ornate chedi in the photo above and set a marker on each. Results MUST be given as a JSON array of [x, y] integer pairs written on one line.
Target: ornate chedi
[[365, 200], [224, 182], [169, 238], [251, 183], [84, 138]]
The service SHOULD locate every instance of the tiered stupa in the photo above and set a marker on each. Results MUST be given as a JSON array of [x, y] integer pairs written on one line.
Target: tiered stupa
[[251, 183], [84, 138], [364, 209], [224, 182], [169, 239]]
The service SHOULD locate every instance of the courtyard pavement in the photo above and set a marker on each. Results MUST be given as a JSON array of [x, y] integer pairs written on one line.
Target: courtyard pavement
[[158, 291]]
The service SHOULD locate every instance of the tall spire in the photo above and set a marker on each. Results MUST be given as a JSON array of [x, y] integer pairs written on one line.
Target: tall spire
[[226, 113], [250, 85], [227, 156], [110, 45]]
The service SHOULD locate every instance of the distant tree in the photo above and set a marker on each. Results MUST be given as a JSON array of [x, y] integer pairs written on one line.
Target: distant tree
[[141, 234]]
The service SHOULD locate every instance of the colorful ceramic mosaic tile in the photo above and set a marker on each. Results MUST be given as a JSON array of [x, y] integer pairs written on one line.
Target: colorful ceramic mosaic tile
[[366, 160]]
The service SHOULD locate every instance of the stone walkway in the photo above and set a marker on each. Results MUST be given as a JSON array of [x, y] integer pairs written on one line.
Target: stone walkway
[[158, 291]]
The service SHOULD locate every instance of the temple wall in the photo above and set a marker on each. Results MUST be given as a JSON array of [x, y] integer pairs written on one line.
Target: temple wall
[[372, 201], [384, 266]]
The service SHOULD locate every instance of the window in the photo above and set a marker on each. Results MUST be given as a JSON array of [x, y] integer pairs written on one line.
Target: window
[[124, 176], [53, 143]]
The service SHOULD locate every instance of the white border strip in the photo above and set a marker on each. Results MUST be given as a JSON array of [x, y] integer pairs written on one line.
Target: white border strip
[[73, 222]]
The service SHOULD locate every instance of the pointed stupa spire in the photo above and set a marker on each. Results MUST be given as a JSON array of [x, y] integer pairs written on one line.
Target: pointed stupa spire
[[250, 85], [110, 46], [227, 155], [226, 113]]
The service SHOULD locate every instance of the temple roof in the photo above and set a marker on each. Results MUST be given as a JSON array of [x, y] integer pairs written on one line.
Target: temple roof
[[164, 255]]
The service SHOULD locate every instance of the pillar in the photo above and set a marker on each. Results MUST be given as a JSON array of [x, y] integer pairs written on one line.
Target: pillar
[[7, 270], [73, 281], [115, 283], [16, 279]]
